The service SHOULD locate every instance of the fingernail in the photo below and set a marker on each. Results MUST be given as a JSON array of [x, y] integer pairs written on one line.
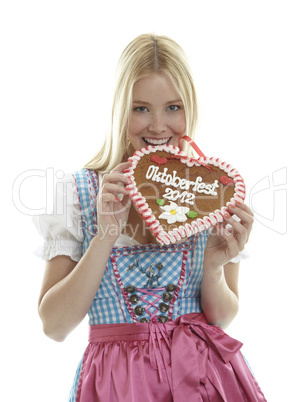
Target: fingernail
[[232, 206], [117, 199], [227, 215]]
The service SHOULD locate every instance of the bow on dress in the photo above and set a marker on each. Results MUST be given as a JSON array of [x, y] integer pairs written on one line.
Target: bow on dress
[[186, 344]]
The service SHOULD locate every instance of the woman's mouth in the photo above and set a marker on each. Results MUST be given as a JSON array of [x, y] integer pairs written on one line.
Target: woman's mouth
[[156, 141]]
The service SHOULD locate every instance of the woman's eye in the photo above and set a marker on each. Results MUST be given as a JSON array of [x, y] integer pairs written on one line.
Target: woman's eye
[[173, 108], [140, 109]]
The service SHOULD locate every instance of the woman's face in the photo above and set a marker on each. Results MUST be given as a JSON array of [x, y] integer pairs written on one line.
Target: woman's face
[[158, 115]]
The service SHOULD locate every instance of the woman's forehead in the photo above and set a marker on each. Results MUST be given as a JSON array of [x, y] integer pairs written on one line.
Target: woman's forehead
[[155, 87]]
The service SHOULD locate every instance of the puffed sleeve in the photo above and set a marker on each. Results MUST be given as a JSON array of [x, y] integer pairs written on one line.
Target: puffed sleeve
[[62, 230]]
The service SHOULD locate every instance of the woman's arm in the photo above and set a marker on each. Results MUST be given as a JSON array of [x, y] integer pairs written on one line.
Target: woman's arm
[[219, 290], [69, 288], [219, 294]]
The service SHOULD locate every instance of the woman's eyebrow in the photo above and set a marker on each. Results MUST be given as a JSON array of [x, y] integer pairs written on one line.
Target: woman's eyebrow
[[168, 102], [141, 102], [175, 101]]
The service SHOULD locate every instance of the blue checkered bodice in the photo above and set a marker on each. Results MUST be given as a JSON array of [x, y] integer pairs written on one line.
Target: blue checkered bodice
[[142, 282]]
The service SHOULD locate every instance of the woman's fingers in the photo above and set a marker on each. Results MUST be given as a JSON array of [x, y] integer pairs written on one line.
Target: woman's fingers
[[245, 215], [242, 211], [115, 189], [114, 178], [113, 201], [232, 243], [226, 240], [236, 230], [121, 167], [230, 236], [111, 207], [115, 181], [117, 172], [109, 198]]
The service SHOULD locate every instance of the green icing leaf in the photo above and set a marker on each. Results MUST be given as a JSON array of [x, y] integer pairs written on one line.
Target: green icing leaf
[[160, 202], [192, 214]]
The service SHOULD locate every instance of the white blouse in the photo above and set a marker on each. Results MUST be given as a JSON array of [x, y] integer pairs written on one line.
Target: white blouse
[[62, 230]]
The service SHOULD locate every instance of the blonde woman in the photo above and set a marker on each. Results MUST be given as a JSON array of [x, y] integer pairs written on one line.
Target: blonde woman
[[148, 305]]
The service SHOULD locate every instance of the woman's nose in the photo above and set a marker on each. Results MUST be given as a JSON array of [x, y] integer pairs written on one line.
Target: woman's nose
[[157, 124]]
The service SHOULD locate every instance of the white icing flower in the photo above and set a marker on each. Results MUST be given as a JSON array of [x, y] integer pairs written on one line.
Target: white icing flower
[[173, 213]]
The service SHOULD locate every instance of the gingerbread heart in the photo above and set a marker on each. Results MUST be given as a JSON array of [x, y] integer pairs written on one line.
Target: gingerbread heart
[[181, 196]]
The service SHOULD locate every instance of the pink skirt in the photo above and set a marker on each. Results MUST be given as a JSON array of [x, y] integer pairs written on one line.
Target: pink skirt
[[181, 360]]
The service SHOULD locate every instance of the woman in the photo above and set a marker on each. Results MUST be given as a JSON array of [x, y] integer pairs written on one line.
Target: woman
[[98, 262]]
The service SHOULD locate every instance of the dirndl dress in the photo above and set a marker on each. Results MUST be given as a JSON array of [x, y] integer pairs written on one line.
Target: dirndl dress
[[148, 337]]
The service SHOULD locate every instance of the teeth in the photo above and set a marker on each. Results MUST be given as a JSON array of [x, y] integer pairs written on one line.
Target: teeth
[[153, 141]]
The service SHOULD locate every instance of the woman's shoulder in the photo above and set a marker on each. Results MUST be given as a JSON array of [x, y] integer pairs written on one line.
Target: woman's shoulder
[[85, 177], [86, 184]]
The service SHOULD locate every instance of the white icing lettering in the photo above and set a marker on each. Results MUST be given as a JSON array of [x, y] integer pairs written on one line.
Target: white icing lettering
[[176, 180], [189, 198], [185, 184], [168, 180], [199, 186], [183, 196], [163, 175], [151, 171], [173, 195]]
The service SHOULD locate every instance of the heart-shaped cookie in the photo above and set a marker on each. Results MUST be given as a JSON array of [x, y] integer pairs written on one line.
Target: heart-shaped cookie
[[179, 196]]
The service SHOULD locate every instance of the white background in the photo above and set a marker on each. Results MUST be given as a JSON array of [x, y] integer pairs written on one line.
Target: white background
[[57, 67]]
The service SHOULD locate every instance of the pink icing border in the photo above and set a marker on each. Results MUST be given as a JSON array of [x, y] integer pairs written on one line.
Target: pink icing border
[[198, 225]]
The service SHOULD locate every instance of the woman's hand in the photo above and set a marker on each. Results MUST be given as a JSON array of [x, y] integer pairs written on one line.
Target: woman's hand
[[113, 203], [228, 239]]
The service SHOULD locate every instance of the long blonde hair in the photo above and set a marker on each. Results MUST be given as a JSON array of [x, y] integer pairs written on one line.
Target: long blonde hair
[[145, 55]]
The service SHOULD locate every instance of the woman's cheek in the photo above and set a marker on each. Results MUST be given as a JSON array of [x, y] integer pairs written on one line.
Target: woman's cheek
[[179, 124], [136, 125]]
